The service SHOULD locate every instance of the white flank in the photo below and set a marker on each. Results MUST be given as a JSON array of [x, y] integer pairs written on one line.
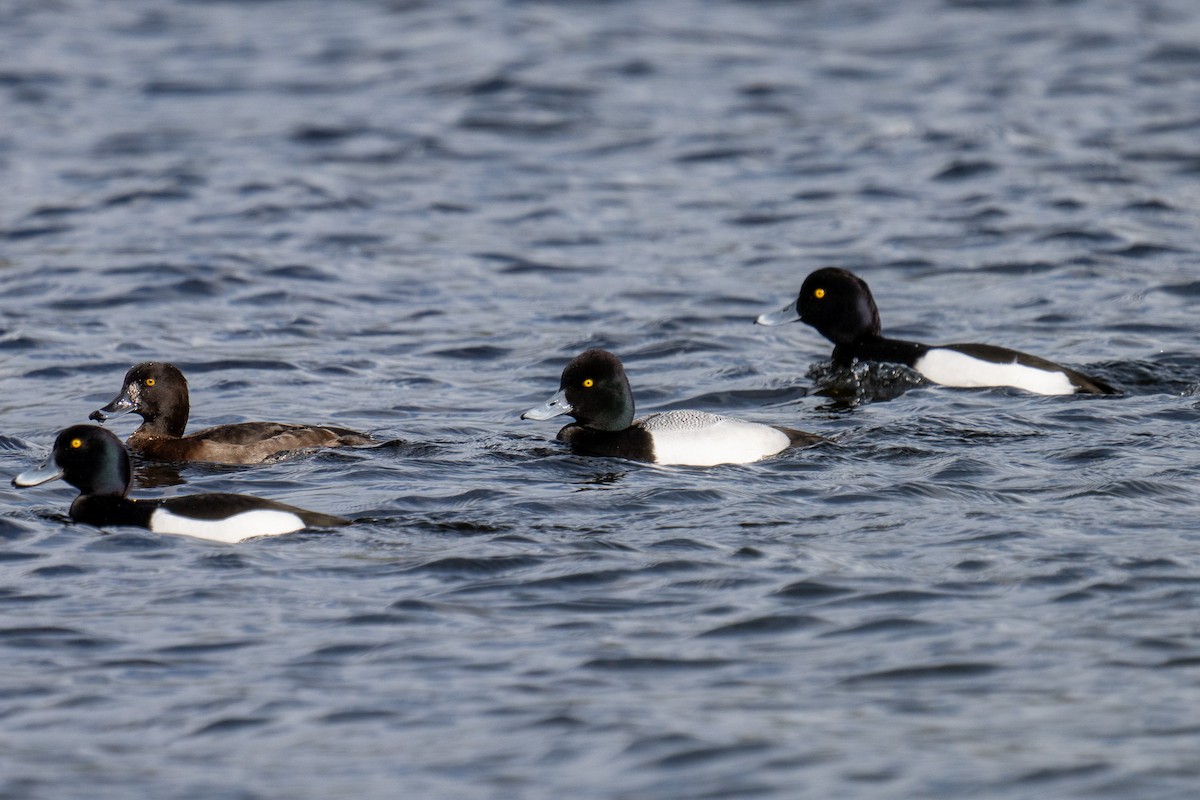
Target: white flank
[[260, 522], [952, 368], [698, 439]]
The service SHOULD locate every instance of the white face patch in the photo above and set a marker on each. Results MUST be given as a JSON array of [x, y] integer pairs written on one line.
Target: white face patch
[[260, 522], [952, 368], [698, 439]]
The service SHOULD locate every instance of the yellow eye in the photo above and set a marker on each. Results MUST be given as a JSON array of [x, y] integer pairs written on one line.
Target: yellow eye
[[149, 381], [76, 443], [819, 293], [588, 383]]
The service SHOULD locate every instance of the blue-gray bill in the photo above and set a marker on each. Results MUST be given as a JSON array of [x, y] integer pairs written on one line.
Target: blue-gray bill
[[554, 407], [122, 404], [788, 313], [44, 474]]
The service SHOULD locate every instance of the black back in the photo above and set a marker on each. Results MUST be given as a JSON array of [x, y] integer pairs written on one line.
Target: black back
[[1084, 384], [219, 505]]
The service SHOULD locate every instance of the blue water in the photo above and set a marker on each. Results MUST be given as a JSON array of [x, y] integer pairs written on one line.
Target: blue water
[[406, 217]]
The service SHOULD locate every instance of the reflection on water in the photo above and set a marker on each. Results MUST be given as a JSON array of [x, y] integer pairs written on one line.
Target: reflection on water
[[602, 480], [862, 382], [150, 475]]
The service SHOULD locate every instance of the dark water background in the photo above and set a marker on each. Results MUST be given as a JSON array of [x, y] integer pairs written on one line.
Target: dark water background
[[407, 216]]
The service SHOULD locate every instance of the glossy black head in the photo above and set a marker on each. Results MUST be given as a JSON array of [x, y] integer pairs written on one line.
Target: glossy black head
[[156, 391], [598, 391], [839, 305], [92, 460]]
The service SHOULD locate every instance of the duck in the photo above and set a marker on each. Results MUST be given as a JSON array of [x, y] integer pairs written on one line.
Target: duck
[[840, 306], [93, 460], [595, 391], [158, 392]]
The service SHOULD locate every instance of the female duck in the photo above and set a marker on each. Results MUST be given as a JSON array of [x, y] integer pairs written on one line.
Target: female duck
[[94, 461], [840, 306], [595, 391], [158, 392]]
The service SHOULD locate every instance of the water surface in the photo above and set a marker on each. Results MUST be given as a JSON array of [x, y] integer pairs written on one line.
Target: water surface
[[406, 217]]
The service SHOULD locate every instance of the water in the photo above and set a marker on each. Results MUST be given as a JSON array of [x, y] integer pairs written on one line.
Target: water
[[406, 217]]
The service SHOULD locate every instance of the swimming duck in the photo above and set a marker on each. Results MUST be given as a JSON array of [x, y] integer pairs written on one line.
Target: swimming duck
[[595, 391], [839, 305], [95, 462], [158, 392]]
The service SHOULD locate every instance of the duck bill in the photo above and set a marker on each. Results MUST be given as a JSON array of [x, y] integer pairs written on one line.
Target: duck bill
[[554, 407], [789, 313], [43, 474], [121, 404]]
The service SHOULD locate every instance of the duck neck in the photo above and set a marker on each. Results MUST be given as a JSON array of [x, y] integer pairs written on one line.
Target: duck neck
[[878, 348], [167, 423], [106, 510]]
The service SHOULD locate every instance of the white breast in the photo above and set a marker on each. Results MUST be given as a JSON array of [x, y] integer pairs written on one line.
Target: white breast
[[695, 438], [952, 368], [260, 522]]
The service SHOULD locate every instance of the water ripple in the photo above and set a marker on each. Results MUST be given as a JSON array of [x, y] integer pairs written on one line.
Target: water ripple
[[407, 216]]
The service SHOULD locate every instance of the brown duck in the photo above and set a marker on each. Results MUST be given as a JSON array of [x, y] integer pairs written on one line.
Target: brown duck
[[158, 392]]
